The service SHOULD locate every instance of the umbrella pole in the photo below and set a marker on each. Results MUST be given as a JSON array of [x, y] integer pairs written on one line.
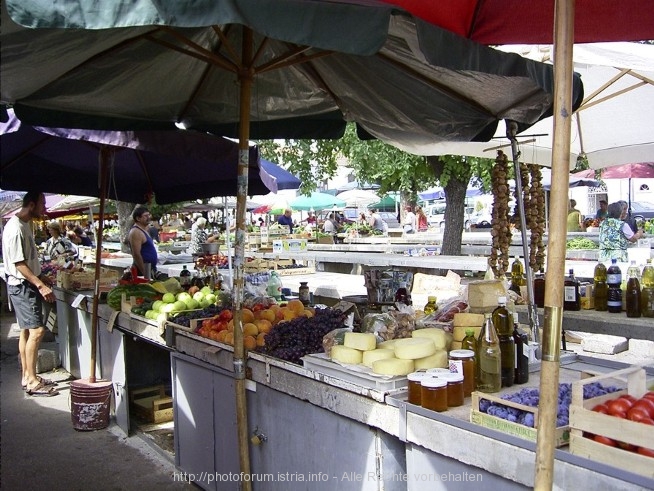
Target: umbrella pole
[[245, 75], [551, 342], [104, 153], [511, 131]]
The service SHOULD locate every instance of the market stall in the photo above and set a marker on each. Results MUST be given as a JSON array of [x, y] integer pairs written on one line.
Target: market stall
[[334, 406]]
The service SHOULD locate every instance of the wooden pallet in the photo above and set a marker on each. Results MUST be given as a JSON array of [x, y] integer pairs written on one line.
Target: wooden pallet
[[152, 404], [583, 419]]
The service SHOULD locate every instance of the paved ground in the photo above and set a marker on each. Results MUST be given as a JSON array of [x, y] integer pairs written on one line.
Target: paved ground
[[40, 449]]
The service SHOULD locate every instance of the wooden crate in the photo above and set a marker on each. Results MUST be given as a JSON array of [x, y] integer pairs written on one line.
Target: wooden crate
[[152, 404], [583, 419], [562, 434], [85, 280], [295, 271], [259, 265]]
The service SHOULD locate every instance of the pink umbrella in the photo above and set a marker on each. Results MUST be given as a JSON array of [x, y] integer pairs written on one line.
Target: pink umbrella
[[628, 171]]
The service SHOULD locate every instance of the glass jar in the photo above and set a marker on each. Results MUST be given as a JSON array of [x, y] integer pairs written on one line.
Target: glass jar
[[454, 388], [415, 379], [462, 361], [433, 394], [303, 293]]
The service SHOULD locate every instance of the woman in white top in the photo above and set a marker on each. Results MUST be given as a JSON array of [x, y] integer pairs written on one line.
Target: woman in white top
[[58, 245]]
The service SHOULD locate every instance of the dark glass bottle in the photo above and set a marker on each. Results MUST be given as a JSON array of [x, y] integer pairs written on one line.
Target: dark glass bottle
[[633, 291], [490, 362], [647, 292], [517, 279], [185, 278], [600, 288], [539, 289], [521, 358], [402, 295], [614, 295], [571, 298]]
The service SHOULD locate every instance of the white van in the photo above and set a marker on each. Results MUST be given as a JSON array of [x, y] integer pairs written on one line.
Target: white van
[[436, 215]]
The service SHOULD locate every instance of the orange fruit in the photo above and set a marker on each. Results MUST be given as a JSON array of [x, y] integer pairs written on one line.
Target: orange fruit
[[230, 326], [250, 342], [250, 329], [221, 336], [229, 338], [261, 339]]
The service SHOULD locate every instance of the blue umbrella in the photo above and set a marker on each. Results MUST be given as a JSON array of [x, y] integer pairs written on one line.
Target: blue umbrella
[[283, 179]]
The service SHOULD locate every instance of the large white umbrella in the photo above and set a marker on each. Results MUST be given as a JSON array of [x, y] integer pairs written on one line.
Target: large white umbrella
[[358, 198]]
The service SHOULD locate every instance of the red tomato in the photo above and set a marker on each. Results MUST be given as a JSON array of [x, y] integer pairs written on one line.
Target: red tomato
[[601, 408], [627, 446], [649, 395], [619, 407], [629, 398], [647, 404], [637, 413], [647, 421], [604, 440], [646, 451]]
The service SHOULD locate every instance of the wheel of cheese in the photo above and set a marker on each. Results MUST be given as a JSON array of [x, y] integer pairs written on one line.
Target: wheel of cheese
[[393, 366], [414, 348], [346, 355], [437, 360], [441, 339], [361, 341], [464, 319], [387, 344], [369, 357]]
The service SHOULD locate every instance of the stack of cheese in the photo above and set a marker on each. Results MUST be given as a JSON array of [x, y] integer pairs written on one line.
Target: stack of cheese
[[463, 322], [426, 349]]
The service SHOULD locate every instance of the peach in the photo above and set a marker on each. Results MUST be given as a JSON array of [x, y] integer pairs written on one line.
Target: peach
[[267, 314], [229, 338], [249, 342], [295, 306], [221, 336], [263, 325], [261, 341], [247, 315], [250, 329]]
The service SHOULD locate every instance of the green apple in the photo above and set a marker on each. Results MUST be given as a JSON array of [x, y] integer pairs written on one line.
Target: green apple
[[204, 302], [206, 290], [168, 298], [183, 296], [168, 307], [198, 296], [178, 306], [149, 314], [191, 304], [157, 304], [211, 298]]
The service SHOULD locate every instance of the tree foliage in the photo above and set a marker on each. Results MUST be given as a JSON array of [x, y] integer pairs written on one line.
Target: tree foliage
[[314, 161]]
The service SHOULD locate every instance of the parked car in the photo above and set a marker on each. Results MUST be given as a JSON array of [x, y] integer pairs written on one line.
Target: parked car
[[436, 215], [642, 209]]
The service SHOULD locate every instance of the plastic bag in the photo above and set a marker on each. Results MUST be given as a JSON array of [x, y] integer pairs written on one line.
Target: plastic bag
[[333, 338]]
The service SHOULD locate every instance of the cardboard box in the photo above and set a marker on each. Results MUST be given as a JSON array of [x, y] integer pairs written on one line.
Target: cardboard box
[[584, 420]]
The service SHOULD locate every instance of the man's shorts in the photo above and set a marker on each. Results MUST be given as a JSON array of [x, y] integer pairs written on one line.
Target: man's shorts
[[28, 305]]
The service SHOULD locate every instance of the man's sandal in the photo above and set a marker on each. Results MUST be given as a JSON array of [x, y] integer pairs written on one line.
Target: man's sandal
[[44, 381], [42, 390]]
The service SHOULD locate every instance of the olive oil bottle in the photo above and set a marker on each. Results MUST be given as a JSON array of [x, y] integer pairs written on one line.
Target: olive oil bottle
[[489, 356]]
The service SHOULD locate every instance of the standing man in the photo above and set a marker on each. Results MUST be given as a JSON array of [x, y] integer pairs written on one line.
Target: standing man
[[27, 289], [286, 219], [143, 249]]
